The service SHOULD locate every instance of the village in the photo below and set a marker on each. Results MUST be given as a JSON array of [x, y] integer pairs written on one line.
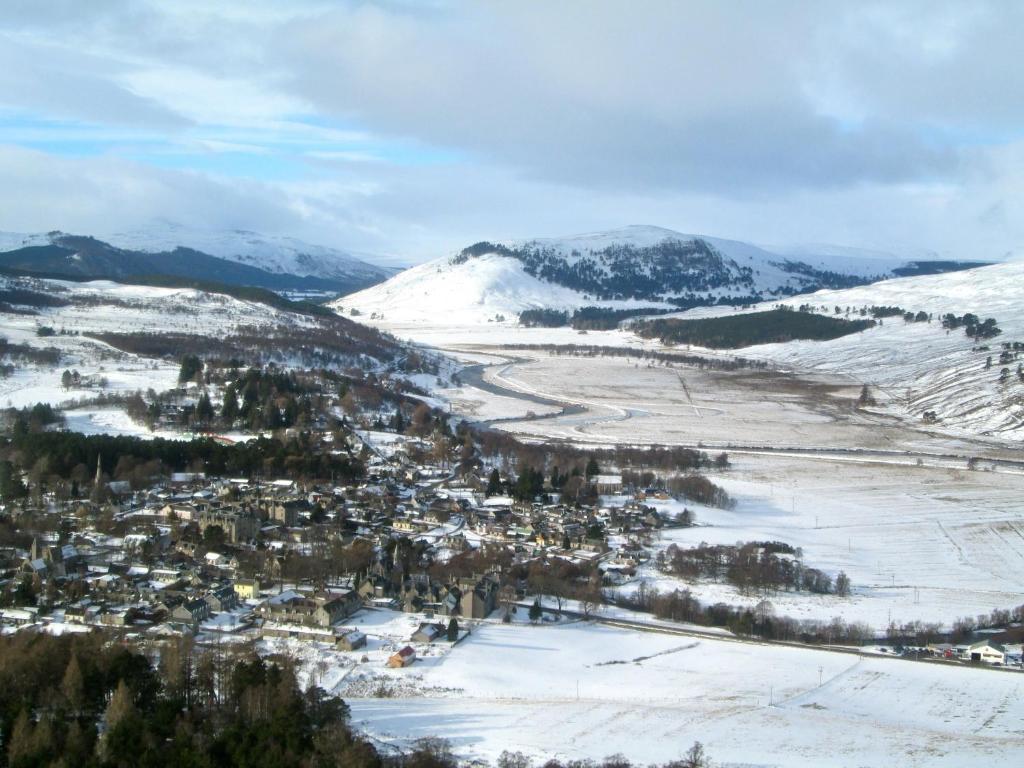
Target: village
[[240, 560]]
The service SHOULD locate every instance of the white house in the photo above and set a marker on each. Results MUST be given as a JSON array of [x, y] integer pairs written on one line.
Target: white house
[[986, 652]]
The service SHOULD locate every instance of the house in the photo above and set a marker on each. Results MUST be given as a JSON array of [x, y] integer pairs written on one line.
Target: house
[[479, 597], [118, 617], [17, 617], [403, 658], [191, 611], [986, 652], [237, 527], [247, 589], [428, 633], [350, 640], [320, 610], [286, 514], [608, 485], [222, 598], [217, 560]]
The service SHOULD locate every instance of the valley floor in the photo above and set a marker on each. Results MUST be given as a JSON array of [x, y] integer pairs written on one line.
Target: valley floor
[[865, 491]]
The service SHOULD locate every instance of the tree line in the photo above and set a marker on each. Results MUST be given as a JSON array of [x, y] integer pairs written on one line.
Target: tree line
[[755, 567], [744, 330]]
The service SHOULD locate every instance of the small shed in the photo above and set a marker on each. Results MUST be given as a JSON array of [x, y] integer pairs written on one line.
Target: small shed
[[350, 640], [403, 658], [428, 633]]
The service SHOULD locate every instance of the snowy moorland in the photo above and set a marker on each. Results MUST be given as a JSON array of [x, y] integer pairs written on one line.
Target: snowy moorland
[[922, 366]]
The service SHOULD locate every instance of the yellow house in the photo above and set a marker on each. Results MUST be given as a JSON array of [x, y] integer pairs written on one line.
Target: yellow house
[[247, 589]]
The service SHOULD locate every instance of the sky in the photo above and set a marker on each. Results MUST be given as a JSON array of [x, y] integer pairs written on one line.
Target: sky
[[412, 128]]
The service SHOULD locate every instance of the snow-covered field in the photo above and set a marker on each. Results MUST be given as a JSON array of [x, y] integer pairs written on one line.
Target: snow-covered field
[[624, 400], [918, 543], [582, 690], [915, 367]]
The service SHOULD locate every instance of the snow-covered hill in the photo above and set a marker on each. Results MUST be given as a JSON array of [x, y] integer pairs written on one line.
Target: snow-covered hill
[[122, 338], [272, 253], [921, 365], [629, 267], [10, 241], [480, 290]]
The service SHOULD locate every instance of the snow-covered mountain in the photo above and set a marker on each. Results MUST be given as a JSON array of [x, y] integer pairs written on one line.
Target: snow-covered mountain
[[231, 257], [623, 268], [271, 253]]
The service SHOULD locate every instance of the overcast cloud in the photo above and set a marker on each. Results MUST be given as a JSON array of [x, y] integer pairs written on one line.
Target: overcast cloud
[[411, 128]]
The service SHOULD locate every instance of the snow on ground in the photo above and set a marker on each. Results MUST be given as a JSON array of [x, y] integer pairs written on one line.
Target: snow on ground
[[918, 543], [916, 367], [586, 691], [106, 307], [42, 383], [921, 366], [363, 671], [625, 400], [111, 421]]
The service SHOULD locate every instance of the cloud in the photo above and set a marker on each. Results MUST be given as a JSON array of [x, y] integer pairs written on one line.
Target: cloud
[[42, 191], [702, 97], [413, 127], [48, 79]]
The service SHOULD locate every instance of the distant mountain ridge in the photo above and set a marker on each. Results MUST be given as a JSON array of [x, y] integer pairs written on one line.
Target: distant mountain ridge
[[292, 267], [272, 253], [656, 264]]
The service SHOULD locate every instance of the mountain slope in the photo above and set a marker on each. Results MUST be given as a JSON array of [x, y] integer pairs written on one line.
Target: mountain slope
[[628, 267], [922, 365], [133, 336], [74, 256]]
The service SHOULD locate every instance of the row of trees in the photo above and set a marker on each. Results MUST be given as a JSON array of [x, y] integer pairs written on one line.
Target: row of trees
[[757, 567], [72, 457], [760, 620]]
